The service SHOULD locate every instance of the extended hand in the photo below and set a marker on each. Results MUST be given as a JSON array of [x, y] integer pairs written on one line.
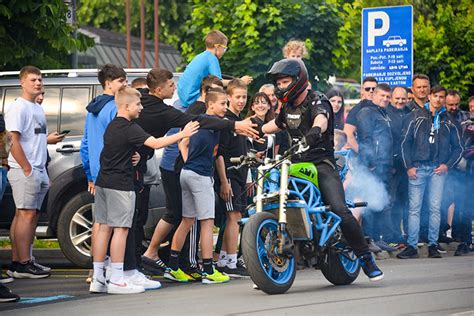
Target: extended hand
[[190, 129], [246, 128]]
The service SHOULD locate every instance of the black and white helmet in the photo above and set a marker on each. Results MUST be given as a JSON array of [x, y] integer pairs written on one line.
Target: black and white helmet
[[290, 67]]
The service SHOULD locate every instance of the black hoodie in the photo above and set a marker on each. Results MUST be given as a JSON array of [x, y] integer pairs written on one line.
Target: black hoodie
[[157, 118]]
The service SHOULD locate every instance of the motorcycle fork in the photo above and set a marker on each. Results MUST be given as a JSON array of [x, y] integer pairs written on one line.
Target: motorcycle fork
[[283, 201], [260, 182]]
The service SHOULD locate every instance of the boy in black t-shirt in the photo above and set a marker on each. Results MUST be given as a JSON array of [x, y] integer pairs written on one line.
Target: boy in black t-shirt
[[232, 182], [196, 180], [115, 196]]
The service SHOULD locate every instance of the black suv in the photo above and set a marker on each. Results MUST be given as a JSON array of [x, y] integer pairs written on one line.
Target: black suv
[[68, 215]]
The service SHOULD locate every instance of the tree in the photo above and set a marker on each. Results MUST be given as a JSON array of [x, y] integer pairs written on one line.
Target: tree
[[36, 33], [258, 30], [110, 15], [443, 40]]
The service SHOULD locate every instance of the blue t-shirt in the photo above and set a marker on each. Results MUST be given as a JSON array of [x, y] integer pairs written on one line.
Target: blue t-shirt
[[189, 83], [202, 152]]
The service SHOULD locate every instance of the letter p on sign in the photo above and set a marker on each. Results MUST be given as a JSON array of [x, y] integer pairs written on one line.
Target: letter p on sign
[[372, 31]]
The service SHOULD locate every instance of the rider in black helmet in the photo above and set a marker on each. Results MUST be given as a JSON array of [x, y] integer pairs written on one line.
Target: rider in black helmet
[[306, 114]]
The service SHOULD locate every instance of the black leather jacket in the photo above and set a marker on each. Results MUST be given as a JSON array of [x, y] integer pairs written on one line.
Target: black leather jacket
[[374, 135], [416, 147]]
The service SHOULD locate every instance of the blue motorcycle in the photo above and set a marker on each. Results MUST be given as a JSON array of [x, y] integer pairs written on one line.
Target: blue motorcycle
[[288, 226]]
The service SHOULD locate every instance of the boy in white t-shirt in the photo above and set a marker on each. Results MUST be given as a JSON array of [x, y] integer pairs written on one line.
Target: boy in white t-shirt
[[28, 178]]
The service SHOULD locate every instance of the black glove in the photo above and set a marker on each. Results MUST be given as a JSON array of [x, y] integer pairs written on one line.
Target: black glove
[[259, 123], [313, 136]]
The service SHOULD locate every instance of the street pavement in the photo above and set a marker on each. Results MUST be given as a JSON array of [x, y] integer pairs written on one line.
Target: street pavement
[[411, 287]]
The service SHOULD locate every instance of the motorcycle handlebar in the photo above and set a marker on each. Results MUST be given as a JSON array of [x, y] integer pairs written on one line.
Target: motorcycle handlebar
[[236, 160]]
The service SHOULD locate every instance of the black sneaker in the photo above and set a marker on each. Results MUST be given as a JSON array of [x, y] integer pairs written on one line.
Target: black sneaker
[[29, 271], [433, 252], [369, 267], [462, 249], [238, 272], [12, 268], [372, 246], [408, 253], [40, 266], [153, 265], [441, 249], [6, 295], [195, 273]]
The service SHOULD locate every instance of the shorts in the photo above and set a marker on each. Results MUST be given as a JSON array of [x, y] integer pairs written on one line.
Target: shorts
[[197, 195], [239, 197], [114, 208], [28, 191]]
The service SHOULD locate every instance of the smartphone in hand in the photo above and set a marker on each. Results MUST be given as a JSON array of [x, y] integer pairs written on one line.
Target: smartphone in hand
[[66, 131]]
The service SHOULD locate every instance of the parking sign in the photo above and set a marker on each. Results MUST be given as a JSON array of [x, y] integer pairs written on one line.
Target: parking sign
[[387, 45]]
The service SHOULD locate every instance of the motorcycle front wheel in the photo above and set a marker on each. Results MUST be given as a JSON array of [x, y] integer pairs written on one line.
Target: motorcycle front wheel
[[272, 273]]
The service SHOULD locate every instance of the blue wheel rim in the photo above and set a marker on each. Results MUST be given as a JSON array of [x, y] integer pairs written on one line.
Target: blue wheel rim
[[350, 265], [276, 276]]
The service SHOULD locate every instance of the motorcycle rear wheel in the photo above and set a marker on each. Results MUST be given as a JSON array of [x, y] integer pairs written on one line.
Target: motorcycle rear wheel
[[341, 266], [272, 274]]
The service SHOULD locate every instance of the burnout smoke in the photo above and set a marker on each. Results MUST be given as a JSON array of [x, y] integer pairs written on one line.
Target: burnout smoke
[[364, 186]]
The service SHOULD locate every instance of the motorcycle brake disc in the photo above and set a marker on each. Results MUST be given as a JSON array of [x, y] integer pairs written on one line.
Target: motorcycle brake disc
[[278, 263]]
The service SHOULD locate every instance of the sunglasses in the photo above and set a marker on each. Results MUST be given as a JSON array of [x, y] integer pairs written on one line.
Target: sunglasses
[[223, 46], [369, 89]]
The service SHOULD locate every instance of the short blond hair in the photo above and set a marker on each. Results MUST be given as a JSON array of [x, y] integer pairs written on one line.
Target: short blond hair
[[294, 45], [125, 94], [235, 84], [215, 37]]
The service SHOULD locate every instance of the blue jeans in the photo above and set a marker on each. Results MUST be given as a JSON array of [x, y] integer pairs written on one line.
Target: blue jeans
[[3, 171], [425, 178]]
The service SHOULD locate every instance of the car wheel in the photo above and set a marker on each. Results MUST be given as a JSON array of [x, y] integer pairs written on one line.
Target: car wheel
[[75, 229]]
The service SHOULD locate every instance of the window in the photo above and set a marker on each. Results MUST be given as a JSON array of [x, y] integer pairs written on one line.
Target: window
[[51, 107], [73, 109], [50, 104], [10, 95]]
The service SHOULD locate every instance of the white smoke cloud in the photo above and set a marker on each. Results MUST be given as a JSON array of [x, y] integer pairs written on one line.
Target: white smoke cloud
[[363, 185]]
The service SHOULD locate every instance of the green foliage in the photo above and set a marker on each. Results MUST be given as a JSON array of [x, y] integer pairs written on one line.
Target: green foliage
[[443, 40], [258, 30], [110, 15], [36, 32], [444, 46]]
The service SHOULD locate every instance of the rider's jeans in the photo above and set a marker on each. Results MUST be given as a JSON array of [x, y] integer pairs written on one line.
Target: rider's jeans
[[425, 178], [332, 193]]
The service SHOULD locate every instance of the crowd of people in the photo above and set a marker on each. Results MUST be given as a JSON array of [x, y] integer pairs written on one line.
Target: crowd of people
[[419, 153]]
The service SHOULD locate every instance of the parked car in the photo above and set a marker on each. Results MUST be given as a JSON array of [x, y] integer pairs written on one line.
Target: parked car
[[68, 214]]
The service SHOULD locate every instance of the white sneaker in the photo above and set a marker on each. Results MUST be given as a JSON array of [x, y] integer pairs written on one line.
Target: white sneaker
[[97, 286], [140, 279], [124, 288]]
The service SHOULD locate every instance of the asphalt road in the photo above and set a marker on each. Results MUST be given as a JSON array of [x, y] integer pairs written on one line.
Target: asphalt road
[[411, 287]]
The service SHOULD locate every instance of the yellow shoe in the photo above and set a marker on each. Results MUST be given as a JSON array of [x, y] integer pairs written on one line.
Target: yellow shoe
[[216, 277], [177, 275]]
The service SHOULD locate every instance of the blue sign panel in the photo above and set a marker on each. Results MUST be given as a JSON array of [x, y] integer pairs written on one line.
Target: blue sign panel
[[387, 45]]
